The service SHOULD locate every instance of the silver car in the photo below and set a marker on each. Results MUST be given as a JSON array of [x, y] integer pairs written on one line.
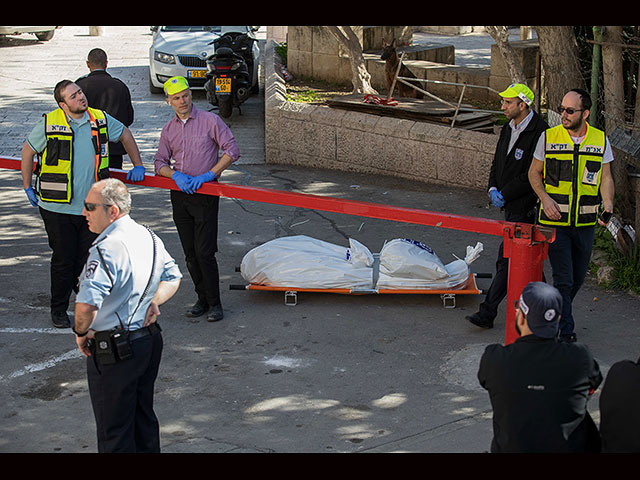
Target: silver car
[[183, 50], [42, 33]]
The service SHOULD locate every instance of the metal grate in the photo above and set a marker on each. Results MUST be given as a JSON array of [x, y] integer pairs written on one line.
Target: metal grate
[[192, 61]]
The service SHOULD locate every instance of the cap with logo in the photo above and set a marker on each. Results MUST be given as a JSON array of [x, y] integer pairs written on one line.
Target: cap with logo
[[520, 91], [542, 305], [175, 85]]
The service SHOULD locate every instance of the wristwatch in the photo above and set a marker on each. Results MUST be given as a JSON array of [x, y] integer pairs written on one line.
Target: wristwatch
[[73, 329]]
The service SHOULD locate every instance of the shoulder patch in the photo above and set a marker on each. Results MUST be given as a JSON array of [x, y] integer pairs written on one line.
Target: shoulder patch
[[90, 271]]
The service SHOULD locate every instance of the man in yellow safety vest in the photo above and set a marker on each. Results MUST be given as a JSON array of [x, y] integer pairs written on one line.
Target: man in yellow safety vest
[[571, 175], [72, 145]]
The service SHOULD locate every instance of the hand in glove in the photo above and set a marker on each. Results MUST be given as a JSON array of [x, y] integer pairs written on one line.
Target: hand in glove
[[31, 195], [200, 179], [184, 182], [136, 174], [497, 199]]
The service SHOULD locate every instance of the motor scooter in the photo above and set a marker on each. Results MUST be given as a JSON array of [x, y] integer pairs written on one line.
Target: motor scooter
[[230, 74]]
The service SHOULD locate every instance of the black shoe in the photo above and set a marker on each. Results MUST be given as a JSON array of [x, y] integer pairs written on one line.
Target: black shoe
[[216, 314], [478, 321], [198, 309], [60, 320], [569, 338]]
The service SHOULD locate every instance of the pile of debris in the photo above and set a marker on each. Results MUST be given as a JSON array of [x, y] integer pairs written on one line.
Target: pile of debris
[[465, 117]]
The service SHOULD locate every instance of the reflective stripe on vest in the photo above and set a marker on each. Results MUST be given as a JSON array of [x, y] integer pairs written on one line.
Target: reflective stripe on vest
[[572, 175], [55, 167]]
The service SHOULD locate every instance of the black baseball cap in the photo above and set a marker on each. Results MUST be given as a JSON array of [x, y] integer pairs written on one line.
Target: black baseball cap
[[542, 305]]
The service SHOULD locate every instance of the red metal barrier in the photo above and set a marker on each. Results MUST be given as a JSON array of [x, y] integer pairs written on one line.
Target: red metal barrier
[[525, 245]]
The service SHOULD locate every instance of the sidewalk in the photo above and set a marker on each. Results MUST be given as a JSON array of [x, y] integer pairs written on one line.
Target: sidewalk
[[335, 373]]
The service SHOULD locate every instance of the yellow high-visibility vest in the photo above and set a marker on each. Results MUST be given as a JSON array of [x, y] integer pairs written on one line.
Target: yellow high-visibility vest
[[572, 175], [55, 167]]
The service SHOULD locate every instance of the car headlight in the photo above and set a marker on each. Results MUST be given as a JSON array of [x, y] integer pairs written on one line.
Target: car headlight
[[164, 57]]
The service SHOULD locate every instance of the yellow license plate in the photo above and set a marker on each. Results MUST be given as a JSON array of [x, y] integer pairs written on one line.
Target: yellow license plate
[[197, 73], [223, 85]]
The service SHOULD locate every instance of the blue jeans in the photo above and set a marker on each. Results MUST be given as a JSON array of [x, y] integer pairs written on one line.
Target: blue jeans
[[569, 256]]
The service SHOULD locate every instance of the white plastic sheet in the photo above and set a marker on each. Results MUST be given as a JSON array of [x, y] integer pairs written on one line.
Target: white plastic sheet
[[409, 264], [304, 262]]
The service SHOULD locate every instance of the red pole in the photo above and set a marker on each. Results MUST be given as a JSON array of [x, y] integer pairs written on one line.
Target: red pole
[[526, 247]]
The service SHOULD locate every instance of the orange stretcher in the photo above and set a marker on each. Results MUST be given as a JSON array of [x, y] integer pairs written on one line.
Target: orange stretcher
[[470, 287]]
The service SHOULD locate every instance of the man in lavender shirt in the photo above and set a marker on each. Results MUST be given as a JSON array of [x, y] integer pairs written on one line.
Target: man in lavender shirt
[[196, 147]]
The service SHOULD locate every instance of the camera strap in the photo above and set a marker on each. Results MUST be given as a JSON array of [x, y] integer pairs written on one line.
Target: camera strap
[[146, 290]]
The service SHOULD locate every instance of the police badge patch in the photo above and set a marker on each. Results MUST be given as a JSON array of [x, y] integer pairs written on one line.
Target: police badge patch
[[91, 269], [519, 153]]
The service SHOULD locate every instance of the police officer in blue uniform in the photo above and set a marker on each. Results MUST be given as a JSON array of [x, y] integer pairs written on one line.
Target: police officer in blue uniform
[[128, 274]]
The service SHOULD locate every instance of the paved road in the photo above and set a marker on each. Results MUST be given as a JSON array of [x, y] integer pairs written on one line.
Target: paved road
[[331, 374]]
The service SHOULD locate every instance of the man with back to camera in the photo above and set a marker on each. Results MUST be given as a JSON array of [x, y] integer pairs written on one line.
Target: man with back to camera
[[72, 144], [571, 175], [196, 147], [109, 94], [619, 412], [128, 274], [539, 387], [509, 187]]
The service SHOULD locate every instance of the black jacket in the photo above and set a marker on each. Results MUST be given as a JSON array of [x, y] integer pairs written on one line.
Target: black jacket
[[619, 408], [111, 95], [509, 172], [539, 390]]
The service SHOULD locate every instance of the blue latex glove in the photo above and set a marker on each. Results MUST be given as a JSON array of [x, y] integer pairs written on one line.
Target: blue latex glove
[[31, 195], [497, 199], [200, 179], [136, 174], [184, 182]]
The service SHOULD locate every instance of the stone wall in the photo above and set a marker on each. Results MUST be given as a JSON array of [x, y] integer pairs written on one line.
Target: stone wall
[[325, 137]]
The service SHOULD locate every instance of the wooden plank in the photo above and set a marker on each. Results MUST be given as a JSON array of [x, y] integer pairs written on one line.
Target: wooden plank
[[415, 109]]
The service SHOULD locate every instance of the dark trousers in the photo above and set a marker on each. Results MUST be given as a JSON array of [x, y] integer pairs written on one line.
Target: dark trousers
[[569, 256], [70, 239], [196, 219], [115, 161], [122, 399], [498, 289]]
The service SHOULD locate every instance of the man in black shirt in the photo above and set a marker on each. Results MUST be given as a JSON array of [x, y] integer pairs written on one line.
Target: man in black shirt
[[509, 187], [619, 413], [109, 94], [539, 387]]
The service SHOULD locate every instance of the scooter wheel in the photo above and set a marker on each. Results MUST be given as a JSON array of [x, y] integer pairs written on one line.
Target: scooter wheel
[[225, 107]]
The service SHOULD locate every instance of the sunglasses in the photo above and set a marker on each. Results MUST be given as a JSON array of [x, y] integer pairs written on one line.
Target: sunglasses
[[90, 207], [570, 111]]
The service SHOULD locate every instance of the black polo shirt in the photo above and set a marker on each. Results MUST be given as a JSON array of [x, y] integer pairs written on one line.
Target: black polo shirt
[[539, 390]]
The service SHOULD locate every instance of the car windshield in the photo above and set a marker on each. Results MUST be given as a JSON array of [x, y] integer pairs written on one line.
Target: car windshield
[[214, 29]]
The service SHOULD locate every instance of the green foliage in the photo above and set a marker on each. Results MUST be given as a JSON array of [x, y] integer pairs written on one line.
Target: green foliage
[[627, 270], [281, 50], [302, 95]]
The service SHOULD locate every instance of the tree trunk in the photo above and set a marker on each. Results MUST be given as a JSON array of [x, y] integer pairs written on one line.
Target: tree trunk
[[500, 35], [560, 64], [360, 78], [636, 118], [613, 89], [596, 67], [636, 110]]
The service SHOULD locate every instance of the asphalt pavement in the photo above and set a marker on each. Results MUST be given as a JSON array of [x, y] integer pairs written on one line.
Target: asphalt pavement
[[332, 374]]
